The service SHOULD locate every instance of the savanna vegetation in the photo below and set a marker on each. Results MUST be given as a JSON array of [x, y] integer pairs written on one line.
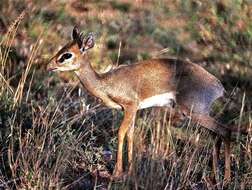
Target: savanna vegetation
[[54, 135]]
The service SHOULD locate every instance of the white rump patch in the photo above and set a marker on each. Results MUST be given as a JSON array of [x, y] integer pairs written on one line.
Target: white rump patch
[[161, 100]]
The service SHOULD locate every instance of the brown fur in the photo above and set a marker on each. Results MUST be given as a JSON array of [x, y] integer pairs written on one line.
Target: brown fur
[[196, 89]]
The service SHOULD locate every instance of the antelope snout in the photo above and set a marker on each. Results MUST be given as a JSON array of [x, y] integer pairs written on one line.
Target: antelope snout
[[51, 65]]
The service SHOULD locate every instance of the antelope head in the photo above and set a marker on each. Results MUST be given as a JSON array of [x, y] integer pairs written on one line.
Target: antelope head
[[70, 57]]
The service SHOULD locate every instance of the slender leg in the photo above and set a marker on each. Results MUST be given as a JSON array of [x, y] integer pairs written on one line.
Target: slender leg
[[227, 172], [213, 125], [129, 114], [216, 156], [130, 138]]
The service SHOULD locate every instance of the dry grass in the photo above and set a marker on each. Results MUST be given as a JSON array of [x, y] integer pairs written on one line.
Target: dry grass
[[55, 136]]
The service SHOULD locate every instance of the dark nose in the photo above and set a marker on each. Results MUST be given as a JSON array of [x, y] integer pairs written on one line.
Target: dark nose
[[51, 69]]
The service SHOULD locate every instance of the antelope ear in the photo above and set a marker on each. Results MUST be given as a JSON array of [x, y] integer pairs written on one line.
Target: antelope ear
[[75, 33], [88, 42], [77, 36]]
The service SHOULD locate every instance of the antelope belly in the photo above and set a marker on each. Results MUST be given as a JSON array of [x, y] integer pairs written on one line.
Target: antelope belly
[[160, 100]]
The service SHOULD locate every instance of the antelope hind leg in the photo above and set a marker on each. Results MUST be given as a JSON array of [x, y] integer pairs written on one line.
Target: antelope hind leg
[[227, 170], [216, 156]]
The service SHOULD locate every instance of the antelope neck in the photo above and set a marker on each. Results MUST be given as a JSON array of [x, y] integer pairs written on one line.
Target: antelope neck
[[88, 77]]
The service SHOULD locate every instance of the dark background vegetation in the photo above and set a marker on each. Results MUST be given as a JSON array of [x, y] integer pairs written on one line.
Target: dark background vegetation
[[53, 135]]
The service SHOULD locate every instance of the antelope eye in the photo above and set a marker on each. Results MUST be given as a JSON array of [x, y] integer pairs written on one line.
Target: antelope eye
[[65, 56]]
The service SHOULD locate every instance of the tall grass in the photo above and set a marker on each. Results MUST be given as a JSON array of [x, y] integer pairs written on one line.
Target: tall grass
[[34, 153], [50, 138]]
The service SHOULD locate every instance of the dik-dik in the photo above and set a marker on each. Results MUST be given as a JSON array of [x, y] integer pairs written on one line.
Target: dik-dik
[[150, 83]]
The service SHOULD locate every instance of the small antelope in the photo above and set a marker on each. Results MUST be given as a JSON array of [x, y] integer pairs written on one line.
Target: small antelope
[[150, 83]]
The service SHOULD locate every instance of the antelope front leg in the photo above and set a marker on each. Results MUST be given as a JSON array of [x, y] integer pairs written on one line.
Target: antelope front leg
[[130, 138], [129, 115]]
